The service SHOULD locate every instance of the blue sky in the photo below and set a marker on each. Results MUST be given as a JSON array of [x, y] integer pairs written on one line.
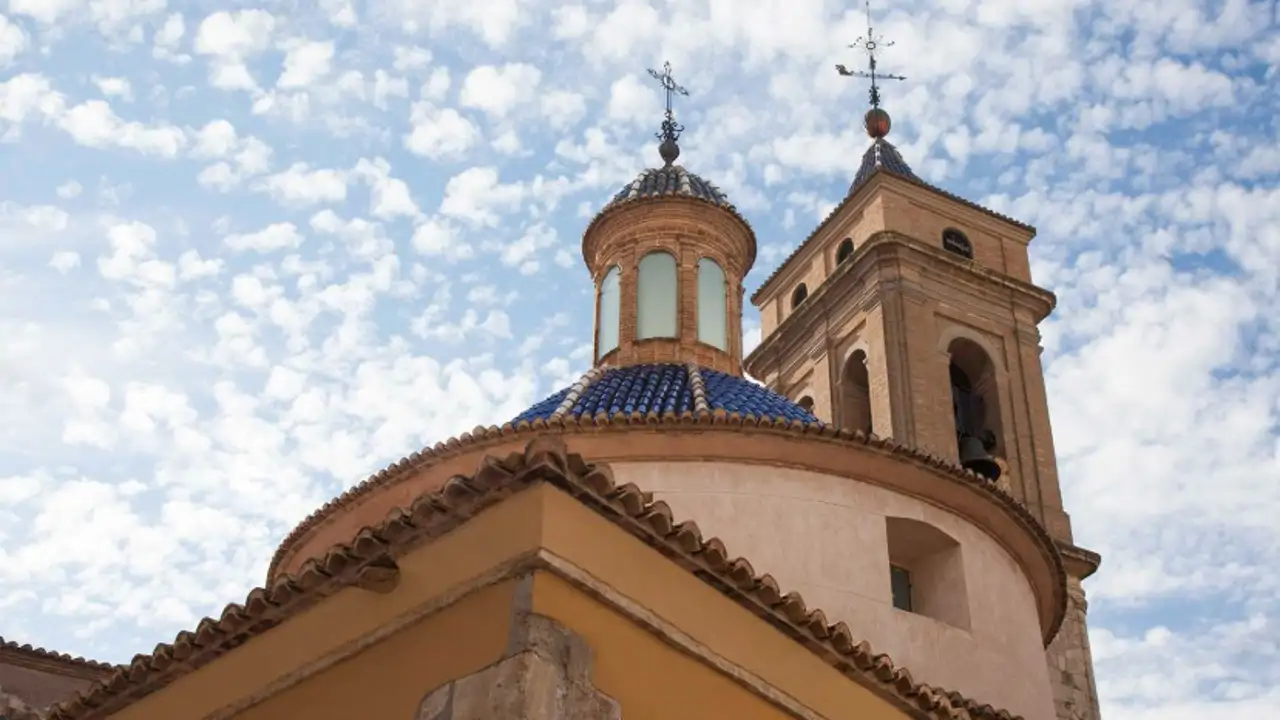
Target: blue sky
[[254, 251]]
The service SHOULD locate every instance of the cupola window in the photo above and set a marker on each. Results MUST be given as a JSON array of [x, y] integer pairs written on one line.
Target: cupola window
[[657, 292], [712, 310], [608, 312], [954, 241]]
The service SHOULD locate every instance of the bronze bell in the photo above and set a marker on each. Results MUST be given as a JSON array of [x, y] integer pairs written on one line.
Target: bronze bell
[[975, 456]]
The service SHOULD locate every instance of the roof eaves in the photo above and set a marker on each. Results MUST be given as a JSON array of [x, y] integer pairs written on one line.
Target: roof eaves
[[80, 666], [545, 460]]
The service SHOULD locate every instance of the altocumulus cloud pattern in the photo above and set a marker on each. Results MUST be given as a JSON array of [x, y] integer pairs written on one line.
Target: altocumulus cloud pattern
[[252, 255]]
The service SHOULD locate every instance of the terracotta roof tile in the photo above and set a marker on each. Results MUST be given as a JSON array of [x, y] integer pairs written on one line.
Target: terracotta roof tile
[[79, 664], [856, 192], [544, 460]]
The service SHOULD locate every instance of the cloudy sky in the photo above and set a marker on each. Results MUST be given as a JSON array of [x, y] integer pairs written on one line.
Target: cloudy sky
[[251, 252]]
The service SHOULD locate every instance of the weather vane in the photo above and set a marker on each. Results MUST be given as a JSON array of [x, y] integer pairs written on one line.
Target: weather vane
[[670, 128], [877, 120]]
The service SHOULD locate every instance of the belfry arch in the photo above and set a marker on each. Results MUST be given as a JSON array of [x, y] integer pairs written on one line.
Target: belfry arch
[[975, 394], [855, 393]]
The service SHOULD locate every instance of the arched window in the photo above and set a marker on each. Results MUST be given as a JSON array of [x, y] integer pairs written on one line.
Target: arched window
[[608, 312], [954, 241], [656, 297], [855, 394], [798, 295], [712, 310], [844, 251], [974, 395]]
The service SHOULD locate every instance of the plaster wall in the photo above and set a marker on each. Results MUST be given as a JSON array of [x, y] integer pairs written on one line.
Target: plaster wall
[[824, 536]]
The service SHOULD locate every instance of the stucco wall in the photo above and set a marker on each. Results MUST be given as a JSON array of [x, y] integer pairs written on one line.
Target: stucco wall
[[824, 537]]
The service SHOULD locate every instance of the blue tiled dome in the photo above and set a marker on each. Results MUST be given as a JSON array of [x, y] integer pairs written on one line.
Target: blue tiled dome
[[663, 388], [668, 182]]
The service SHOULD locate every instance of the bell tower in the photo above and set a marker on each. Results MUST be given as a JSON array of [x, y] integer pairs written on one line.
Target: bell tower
[[910, 313]]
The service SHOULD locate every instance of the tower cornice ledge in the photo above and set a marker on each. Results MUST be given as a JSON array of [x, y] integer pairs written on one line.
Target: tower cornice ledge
[[882, 249], [708, 437]]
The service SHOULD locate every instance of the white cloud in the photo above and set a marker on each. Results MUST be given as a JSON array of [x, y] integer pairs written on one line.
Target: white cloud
[[439, 134], [438, 237], [44, 11], [94, 124], [478, 196], [114, 87], [299, 185], [630, 100], [499, 90], [306, 62], [64, 260], [13, 41], [69, 189], [276, 236], [229, 39]]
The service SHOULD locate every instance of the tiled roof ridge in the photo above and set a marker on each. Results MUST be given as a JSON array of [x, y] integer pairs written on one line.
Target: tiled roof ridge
[[755, 296], [575, 391], [699, 388], [688, 420], [545, 460], [39, 653]]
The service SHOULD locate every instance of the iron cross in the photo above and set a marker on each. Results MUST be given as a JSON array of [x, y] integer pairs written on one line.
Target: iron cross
[[668, 83], [869, 44], [670, 128]]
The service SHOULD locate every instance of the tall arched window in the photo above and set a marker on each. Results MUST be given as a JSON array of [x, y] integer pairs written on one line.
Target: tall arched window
[[954, 241], [975, 398], [712, 310], [608, 312], [656, 297], [844, 251], [798, 295], [855, 393]]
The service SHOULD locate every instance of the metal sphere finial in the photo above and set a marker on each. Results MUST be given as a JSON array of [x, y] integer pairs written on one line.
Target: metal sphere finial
[[877, 123]]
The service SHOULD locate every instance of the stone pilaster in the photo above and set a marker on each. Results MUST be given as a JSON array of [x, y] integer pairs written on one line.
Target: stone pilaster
[[1075, 695], [545, 675]]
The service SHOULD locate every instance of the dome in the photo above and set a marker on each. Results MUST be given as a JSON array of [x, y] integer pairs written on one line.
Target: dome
[[662, 388], [671, 181]]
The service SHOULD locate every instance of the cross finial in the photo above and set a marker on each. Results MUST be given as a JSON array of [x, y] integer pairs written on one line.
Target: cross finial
[[671, 129], [870, 44]]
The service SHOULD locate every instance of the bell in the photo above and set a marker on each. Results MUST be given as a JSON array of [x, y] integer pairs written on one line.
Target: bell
[[975, 457]]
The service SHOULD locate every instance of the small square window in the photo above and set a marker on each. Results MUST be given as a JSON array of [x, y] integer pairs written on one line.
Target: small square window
[[900, 582]]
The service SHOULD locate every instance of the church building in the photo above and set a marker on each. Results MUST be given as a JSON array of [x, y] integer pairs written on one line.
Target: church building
[[872, 530]]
